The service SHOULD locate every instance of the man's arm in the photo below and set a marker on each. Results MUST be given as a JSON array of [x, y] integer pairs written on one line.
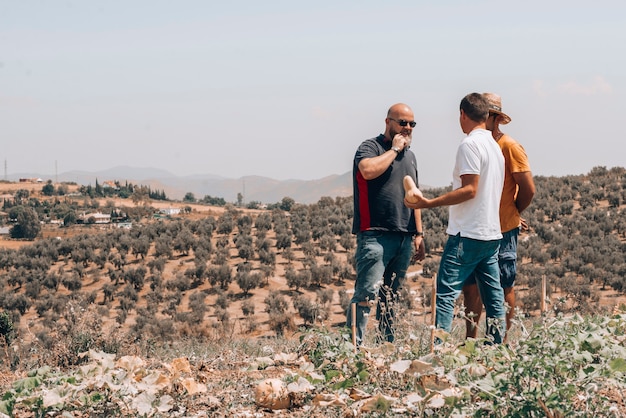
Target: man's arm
[[373, 167], [420, 249], [418, 220], [526, 190], [467, 191]]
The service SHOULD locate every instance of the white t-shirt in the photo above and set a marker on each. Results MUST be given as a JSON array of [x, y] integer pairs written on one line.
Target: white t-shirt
[[478, 218]]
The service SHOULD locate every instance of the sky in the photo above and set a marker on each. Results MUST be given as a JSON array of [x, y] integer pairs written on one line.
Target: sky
[[289, 89]]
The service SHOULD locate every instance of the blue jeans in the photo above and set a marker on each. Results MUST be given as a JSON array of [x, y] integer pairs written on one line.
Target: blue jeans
[[507, 260], [460, 259], [382, 259]]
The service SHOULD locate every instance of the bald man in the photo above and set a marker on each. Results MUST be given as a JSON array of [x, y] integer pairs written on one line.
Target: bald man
[[388, 233]]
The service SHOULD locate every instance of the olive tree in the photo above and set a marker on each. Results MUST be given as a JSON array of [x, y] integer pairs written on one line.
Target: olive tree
[[27, 223]]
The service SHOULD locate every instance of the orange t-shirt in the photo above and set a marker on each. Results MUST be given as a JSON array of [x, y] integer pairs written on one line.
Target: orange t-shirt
[[515, 161]]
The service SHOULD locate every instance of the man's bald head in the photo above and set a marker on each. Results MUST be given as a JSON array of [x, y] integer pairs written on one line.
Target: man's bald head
[[398, 110], [400, 120]]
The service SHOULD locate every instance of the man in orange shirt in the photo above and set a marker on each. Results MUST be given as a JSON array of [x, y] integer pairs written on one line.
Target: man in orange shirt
[[518, 192]]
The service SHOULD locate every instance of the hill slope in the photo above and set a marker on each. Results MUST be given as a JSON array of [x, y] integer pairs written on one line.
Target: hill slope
[[253, 188]]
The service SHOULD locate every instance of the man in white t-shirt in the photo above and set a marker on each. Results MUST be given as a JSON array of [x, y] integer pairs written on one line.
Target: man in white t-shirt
[[474, 223]]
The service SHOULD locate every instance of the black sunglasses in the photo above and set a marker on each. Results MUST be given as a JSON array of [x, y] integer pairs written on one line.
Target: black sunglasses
[[403, 122]]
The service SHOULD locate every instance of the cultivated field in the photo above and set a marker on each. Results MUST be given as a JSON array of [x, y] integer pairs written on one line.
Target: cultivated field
[[211, 367]]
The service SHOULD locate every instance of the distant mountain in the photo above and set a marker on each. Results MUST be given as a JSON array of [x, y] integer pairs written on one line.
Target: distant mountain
[[87, 177], [253, 188], [256, 188]]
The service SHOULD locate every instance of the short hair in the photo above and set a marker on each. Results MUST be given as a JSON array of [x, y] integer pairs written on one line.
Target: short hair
[[476, 107]]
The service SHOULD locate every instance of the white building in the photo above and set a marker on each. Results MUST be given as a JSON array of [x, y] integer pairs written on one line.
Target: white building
[[98, 218], [170, 211]]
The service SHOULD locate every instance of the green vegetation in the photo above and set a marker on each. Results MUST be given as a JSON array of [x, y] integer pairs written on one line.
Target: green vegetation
[[198, 279]]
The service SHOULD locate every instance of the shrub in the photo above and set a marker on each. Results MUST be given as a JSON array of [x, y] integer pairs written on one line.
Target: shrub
[[7, 329], [72, 282], [247, 281], [344, 300], [281, 322], [197, 306], [275, 303], [325, 296], [247, 307], [222, 301], [308, 311]]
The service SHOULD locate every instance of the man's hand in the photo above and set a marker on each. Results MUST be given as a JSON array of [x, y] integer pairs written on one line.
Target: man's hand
[[413, 197], [401, 141], [524, 224], [420, 250], [419, 202]]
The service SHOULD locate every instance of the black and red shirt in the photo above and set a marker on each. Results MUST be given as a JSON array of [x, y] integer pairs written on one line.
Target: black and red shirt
[[379, 203]]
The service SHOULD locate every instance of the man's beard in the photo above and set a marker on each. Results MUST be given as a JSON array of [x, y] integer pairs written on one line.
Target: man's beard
[[407, 135]]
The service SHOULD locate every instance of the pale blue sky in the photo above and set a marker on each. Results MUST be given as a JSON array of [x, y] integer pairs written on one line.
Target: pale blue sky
[[288, 89]]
